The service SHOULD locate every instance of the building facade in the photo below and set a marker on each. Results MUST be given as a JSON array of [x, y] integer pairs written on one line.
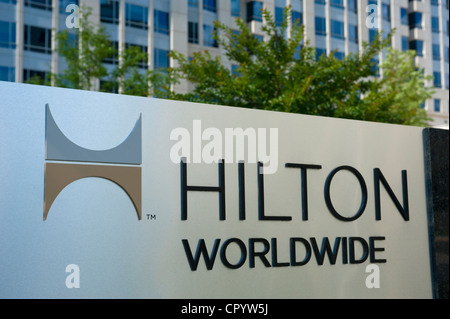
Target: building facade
[[28, 28]]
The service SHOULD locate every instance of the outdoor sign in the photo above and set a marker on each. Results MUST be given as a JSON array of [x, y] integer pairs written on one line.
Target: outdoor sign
[[114, 196]]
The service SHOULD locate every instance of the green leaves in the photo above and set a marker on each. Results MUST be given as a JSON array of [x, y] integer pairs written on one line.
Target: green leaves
[[281, 73], [278, 72], [85, 53]]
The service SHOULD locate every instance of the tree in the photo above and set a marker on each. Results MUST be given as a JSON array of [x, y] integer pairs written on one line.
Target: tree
[[84, 54], [133, 77], [283, 74], [85, 51]]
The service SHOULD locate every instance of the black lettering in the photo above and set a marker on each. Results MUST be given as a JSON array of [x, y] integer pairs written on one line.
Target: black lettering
[[262, 254], [374, 249], [378, 177], [223, 255], [261, 212], [185, 188], [326, 250], [344, 250], [365, 247], [241, 176], [362, 184], [275, 262], [305, 260], [201, 250], [304, 184]]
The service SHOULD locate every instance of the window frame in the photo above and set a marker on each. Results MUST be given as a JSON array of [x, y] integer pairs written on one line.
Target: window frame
[[10, 39], [208, 39], [323, 24], [159, 25], [340, 28], [41, 5], [157, 54], [106, 5], [193, 32], [254, 12], [413, 45], [28, 37], [130, 22]]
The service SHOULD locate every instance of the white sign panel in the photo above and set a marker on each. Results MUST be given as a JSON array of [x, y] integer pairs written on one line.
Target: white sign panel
[[112, 196]]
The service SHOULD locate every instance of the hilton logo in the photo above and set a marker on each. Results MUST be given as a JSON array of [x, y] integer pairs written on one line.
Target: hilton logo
[[58, 175]]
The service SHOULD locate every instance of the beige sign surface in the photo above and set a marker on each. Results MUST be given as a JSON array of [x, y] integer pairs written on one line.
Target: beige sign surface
[[112, 196]]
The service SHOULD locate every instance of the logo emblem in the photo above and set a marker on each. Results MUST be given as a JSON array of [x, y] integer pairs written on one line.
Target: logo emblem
[[58, 175]]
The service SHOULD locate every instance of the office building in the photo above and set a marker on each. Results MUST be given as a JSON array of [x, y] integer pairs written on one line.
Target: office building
[[27, 29]]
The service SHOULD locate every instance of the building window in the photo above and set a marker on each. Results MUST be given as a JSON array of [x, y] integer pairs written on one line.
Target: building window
[[337, 29], [415, 20], [404, 16], [161, 22], [339, 55], [144, 49], [435, 2], [208, 36], [64, 3], [405, 44], [235, 8], [209, 5], [34, 75], [279, 13], [193, 3], [193, 32], [416, 45], [109, 11], [9, 1], [375, 66], [437, 105], [136, 16], [320, 52], [72, 39], [435, 24], [373, 33], [436, 52], [337, 4], [113, 59], [386, 12], [7, 35], [353, 33], [297, 18], [352, 6], [39, 4], [108, 86], [7, 73], [321, 26], [160, 58], [254, 11], [446, 54], [446, 80], [437, 79], [37, 39]]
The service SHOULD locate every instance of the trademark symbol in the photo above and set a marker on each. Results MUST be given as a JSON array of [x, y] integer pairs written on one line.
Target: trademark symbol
[[151, 216]]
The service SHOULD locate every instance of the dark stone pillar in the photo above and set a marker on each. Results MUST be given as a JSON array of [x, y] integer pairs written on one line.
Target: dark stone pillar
[[436, 179]]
